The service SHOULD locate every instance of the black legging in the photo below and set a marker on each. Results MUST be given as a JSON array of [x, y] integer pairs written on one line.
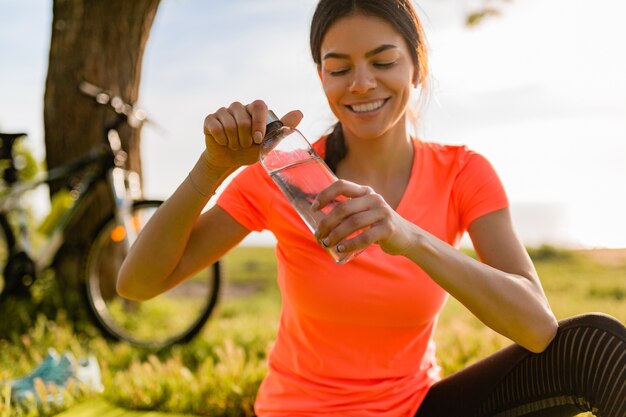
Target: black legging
[[583, 369]]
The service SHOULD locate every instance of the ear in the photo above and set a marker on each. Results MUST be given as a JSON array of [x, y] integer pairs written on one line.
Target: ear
[[416, 77], [319, 72]]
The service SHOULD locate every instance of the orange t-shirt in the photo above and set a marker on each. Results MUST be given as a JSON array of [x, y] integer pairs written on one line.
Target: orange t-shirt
[[356, 339]]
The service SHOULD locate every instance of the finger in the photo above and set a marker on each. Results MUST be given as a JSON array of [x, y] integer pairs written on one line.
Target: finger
[[244, 124], [292, 119], [350, 216], [338, 213], [361, 240], [352, 226], [333, 202], [213, 130], [258, 111], [230, 127], [339, 190]]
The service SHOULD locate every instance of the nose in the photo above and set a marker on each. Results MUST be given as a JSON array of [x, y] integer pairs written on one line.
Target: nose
[[363, 80]]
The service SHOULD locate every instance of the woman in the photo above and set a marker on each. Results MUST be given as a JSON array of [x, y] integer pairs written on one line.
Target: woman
[[356, 339]]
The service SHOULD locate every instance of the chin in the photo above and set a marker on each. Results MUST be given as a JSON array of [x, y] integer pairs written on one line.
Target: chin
[[372, 132], [368, 135]]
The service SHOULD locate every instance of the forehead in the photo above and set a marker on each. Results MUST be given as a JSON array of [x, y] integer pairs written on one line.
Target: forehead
[[357, 34]]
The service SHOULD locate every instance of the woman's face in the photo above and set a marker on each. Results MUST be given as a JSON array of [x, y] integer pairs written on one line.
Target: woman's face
[[367, 74]]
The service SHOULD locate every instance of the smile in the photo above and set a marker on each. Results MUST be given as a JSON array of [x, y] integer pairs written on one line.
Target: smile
[[367, 107]]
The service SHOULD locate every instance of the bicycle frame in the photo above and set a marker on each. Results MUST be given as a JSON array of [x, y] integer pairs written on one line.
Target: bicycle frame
[[104, 162], [101, 161]]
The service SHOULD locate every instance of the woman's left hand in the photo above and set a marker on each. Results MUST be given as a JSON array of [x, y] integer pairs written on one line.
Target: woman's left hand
[[361, 210]]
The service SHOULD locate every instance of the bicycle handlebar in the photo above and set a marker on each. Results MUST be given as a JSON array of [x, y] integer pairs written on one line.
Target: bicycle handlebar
[[135, 117]]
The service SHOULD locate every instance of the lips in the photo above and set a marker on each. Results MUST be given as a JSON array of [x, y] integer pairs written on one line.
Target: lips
[[367, 107]]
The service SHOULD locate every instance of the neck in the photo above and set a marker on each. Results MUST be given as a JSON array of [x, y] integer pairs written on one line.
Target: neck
[[375, 161]]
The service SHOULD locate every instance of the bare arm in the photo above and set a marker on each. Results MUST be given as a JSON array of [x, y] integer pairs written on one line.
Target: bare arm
[[503, 290], [178, 241]]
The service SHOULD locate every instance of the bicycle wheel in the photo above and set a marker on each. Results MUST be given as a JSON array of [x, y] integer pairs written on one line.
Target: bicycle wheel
[[172, 317]]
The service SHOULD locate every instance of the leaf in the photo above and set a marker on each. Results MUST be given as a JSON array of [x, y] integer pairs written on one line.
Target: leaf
[[474, 18]]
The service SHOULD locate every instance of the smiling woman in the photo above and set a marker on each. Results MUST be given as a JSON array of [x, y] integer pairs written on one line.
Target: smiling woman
[[369, 89], [356, 339], [393, 56]]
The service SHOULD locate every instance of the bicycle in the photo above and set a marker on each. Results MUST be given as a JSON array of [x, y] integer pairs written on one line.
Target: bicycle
[[175, 316]]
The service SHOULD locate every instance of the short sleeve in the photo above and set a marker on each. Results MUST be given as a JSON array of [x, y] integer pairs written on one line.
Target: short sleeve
[[246, 198], [477, 189]]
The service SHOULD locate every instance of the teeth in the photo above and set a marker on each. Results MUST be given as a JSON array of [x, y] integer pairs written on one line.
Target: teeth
[[361, 108]]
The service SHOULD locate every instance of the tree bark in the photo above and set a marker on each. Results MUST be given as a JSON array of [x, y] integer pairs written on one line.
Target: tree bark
[[102, 42]]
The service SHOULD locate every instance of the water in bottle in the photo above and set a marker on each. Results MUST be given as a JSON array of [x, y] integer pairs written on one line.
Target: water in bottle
[[300, 174]]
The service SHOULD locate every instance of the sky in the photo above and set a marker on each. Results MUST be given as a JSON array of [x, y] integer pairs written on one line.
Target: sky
[[540, 91]]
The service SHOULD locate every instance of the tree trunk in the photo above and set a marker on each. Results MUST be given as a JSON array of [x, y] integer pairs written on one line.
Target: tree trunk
[[101, 42]]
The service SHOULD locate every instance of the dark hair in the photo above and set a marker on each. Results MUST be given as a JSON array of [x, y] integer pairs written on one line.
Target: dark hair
[[399, 13]]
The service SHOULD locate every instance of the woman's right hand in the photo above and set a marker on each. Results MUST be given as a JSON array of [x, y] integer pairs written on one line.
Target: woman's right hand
[[233, 135]]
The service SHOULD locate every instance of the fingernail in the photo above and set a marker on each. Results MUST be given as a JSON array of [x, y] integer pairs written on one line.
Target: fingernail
[[340, 248], [315, 205], [258, 137], [325, 242]]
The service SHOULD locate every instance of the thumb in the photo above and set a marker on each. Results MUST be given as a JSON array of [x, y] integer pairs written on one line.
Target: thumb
[[292, 119]]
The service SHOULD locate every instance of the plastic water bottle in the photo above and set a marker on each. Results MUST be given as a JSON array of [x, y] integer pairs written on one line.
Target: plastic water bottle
[[299, 173]]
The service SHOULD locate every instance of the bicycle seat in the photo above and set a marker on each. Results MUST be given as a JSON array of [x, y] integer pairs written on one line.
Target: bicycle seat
[[11, 136], [6, 144], [7, 140]]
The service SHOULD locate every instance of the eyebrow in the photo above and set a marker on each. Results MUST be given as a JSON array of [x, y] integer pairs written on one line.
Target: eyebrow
[[368, 54]]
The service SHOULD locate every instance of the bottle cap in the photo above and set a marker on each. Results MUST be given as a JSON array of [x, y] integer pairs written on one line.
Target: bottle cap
[[271, 117], [272, 123]]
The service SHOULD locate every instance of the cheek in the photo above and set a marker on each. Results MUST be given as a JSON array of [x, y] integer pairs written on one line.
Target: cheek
[[403, 86], [401, 76], [333, 91], [406, 93]]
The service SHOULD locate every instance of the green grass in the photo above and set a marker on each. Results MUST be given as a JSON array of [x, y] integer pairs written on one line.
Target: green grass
[[102, 408], [218, 373]]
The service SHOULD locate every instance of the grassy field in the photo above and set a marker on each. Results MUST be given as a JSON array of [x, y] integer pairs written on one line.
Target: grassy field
[[218, 373]]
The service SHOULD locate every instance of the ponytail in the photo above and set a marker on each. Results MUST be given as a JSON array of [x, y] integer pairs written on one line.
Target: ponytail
[[336, 148]]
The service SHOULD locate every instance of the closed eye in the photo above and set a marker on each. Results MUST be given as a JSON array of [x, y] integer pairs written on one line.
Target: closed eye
[[337, 73], [384, 64]]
